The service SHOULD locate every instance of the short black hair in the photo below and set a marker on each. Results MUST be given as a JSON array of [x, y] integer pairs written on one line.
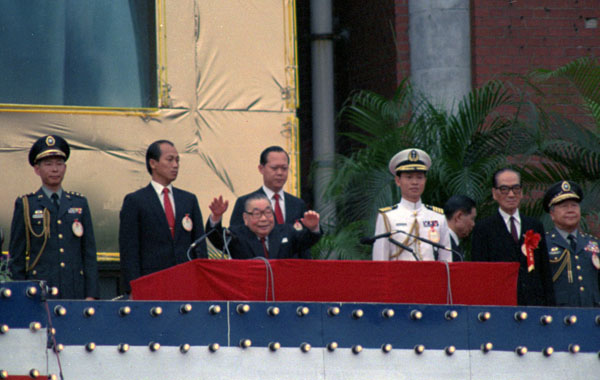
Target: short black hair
[[458, 203], [500, 171], [274, 148], [254, 197], [154, 152]]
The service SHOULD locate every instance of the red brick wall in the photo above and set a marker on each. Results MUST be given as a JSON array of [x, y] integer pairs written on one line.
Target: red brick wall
[[518, 36]]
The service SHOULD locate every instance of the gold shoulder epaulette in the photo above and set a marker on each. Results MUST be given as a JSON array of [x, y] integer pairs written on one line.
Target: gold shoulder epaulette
[[75, 194], [389, 208], [26, 195], [439, 210]]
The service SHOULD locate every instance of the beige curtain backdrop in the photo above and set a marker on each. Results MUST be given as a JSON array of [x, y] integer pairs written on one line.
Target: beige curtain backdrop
[[228, 90]]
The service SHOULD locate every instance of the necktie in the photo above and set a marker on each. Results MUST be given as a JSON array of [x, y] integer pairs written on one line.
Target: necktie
[[265, 249], [169, 211], [54, 197], [572, 243], [278, 213], [513, 229]]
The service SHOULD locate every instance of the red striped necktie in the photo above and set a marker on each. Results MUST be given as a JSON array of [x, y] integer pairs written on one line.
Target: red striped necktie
[[169, 211]]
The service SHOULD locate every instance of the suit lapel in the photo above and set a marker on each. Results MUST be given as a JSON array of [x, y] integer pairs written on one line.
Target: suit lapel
[[179, 212], [274, 243], [506, 237]]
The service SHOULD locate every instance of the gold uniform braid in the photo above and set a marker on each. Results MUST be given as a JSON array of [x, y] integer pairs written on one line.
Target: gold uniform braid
[[29, 230]]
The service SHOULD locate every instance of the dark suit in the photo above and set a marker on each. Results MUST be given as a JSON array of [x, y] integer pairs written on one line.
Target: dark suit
[[294, 208], [582, 290], [492, 242], [284, 242], [145, 242], [458, 248], [67, 262]]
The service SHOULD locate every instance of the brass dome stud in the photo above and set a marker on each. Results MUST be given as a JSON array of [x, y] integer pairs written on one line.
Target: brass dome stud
[[419, 349], [185, 308], [388, 313], [305, 347], [301, 311], [184, 348], [386, 347], [451, 315], [242, 308]]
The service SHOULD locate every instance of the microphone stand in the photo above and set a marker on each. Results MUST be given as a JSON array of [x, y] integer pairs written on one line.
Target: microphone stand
[[405, 247], [196, 242], [435, 245]]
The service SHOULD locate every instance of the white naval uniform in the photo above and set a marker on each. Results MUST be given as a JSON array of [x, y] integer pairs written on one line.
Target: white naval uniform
[[430, 225]]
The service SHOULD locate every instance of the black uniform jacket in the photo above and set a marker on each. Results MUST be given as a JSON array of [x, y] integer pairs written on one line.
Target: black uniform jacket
[[68, 261]]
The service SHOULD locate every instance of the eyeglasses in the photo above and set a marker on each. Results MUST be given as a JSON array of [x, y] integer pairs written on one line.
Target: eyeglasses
[[257, 214], [504, 190]]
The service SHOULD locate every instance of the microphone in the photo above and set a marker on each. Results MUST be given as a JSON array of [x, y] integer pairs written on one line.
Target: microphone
[[371, 239], [196, 242], [436, 245]]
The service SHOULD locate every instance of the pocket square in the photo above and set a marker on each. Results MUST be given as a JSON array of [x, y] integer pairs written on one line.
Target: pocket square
[[284, 240]]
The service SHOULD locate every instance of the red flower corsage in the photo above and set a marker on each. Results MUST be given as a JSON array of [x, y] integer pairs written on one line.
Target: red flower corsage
[[532, 241]]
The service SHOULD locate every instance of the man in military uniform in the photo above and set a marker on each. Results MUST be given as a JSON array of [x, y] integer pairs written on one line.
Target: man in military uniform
[[409, 168], [574, 256], [52, 238]]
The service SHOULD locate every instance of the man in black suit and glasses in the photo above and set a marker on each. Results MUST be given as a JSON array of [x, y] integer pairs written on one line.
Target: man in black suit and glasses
[[501, 237]]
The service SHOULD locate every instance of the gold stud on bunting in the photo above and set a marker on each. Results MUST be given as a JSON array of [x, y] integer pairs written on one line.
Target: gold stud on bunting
[[357, 314], [184, 348], [546, 319], [302, 311], [451, 314]]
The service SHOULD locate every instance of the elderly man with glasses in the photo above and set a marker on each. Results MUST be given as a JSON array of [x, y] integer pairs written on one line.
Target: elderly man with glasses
[[508, 235], [260, 236]]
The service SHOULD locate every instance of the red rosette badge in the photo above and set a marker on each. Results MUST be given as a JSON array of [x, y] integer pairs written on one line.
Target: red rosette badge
[[532, 240]]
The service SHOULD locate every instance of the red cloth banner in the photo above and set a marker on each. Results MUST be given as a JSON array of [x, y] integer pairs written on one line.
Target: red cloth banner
[[333, 281]]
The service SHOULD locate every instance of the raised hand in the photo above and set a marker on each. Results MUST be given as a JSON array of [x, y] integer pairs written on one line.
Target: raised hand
[[217, 208], [311, 220]]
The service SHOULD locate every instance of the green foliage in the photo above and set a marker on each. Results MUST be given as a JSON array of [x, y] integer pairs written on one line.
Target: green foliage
[[571, 150], [466, 147], [491, 126]]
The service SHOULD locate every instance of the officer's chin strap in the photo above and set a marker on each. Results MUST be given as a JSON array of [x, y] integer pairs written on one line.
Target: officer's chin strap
[[51, 342]]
